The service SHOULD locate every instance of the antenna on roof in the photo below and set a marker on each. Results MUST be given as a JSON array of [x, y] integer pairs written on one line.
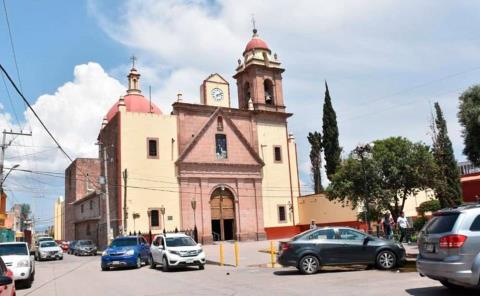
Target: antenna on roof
[[150, 96]]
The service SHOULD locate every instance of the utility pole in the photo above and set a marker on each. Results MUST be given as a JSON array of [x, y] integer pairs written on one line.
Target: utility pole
[[4, 147], [125, 212], [107, 198]]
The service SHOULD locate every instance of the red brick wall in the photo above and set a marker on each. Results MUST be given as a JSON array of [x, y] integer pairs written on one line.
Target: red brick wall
[[76, 176]]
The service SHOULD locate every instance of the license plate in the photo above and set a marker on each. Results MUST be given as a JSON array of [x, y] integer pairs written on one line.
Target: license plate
[[116, 262], [190, 261], [429, 248]]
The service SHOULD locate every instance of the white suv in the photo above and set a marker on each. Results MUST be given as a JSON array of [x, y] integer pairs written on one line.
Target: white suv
[[49, 250], [17, 258], [176, 250]]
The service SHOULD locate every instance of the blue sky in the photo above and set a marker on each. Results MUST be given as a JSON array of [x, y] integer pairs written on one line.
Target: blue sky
[[386, 63]]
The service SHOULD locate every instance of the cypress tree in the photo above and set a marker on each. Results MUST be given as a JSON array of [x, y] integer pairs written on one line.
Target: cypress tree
[[315, 140], [330, 144], [447, 185]]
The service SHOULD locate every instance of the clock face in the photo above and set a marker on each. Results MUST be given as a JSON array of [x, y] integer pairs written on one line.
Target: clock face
[[217, 94]]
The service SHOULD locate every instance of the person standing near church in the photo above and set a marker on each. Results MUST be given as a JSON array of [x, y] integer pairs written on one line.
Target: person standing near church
[[387, 226], [402, 226]]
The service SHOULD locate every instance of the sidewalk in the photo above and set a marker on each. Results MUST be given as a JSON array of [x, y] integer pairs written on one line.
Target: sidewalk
[[256, 253]]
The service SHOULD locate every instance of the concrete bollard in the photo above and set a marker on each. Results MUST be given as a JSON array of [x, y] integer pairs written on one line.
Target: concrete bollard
[[222, 258], [272, 254], [237, 255]]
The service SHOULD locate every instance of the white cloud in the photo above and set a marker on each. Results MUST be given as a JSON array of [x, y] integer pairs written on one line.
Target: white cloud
[[73, 114]]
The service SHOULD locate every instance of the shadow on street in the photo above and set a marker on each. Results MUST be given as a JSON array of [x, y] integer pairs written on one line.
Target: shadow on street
[[439, 291], [329, 269]]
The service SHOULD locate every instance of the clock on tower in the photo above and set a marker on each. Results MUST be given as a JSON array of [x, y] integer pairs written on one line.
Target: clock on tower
[[215, 91]]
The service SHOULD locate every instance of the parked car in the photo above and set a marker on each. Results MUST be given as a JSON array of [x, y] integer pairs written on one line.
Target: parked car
[[128, 251], [7, 284], [449, 247], [71, 247], [309, 250], [85, 247], [175, 250], [49, 250], [17, 258]]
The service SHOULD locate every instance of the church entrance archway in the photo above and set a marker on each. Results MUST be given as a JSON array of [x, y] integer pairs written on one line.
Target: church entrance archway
[[222, 208]]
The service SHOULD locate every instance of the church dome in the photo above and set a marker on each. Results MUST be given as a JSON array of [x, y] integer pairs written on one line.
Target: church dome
[[134, 103], [256, 43]]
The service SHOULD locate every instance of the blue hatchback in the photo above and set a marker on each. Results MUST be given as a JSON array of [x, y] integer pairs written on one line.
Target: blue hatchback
[[128, 251]]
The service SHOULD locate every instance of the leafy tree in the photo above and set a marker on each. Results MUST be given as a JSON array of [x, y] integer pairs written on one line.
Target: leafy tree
[[315, 140], [469, 117], [348, 183], [429, 206], [396, 169], [24, 214], [447, 182], [330, 144], [405, 168]]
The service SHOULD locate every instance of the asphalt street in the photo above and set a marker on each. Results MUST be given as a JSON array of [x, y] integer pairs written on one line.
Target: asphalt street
[[82, 276]]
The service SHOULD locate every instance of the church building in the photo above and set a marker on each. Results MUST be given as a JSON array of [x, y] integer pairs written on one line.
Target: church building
[[230, 171]]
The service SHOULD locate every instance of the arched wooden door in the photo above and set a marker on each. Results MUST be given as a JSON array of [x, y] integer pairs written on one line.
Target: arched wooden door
[[222, 208]]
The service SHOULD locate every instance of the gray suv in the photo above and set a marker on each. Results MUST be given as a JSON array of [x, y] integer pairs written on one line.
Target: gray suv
[[449, 247]]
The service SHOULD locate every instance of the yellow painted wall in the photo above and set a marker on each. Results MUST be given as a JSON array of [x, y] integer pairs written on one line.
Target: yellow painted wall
[[276, 183], [413, 201], [317, 207], [59, 219], [150, 173], [215, 82]]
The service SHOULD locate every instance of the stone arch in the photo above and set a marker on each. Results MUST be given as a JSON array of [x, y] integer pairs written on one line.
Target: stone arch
[[269, 92], [222, 211]]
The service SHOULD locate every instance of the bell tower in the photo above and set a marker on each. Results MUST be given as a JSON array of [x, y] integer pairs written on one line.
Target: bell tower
[[259, 78]]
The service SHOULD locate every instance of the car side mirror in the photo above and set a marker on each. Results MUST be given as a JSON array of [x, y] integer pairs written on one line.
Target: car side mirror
[[199, 245], [366, 240], [160, 247], [5, 280]]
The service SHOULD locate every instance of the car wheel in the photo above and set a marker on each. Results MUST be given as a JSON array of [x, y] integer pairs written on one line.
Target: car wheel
[[201, 267], [386, 260], [165, 266], [152, 263], [104, 268], [32, 276], [309, 264], [139, 262]]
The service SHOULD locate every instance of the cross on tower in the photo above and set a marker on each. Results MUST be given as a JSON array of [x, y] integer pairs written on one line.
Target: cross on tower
[[253, 23], [133, 59]]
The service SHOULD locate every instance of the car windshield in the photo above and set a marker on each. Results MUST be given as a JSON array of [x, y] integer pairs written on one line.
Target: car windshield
[[180, 242], [45, 239], [48, 244], [442, 223], [124, 242], [85, 243], [13, 249]]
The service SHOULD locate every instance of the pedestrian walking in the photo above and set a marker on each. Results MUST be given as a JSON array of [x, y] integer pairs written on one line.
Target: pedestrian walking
[[402, 223], [313, 225], [387, 226]]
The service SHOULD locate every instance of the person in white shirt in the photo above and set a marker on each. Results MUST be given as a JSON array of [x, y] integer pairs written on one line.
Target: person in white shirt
[[402, 226], [313, 225]]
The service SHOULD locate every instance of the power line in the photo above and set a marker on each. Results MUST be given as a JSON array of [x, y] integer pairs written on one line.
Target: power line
[[35, 113], [11, 44]]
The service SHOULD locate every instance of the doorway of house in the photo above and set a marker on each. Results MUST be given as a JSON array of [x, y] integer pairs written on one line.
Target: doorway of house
[[222, 208]]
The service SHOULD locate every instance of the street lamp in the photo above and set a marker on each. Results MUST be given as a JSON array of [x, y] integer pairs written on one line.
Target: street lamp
[[364, 151], [8, 173], [162, 210], [193, 202]]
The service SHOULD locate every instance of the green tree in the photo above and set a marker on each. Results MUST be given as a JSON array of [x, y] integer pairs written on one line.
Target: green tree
[[469, 117], [315, 140], [395, 169], [24, 215], [330, 144], [405, 168], [447, 182]]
